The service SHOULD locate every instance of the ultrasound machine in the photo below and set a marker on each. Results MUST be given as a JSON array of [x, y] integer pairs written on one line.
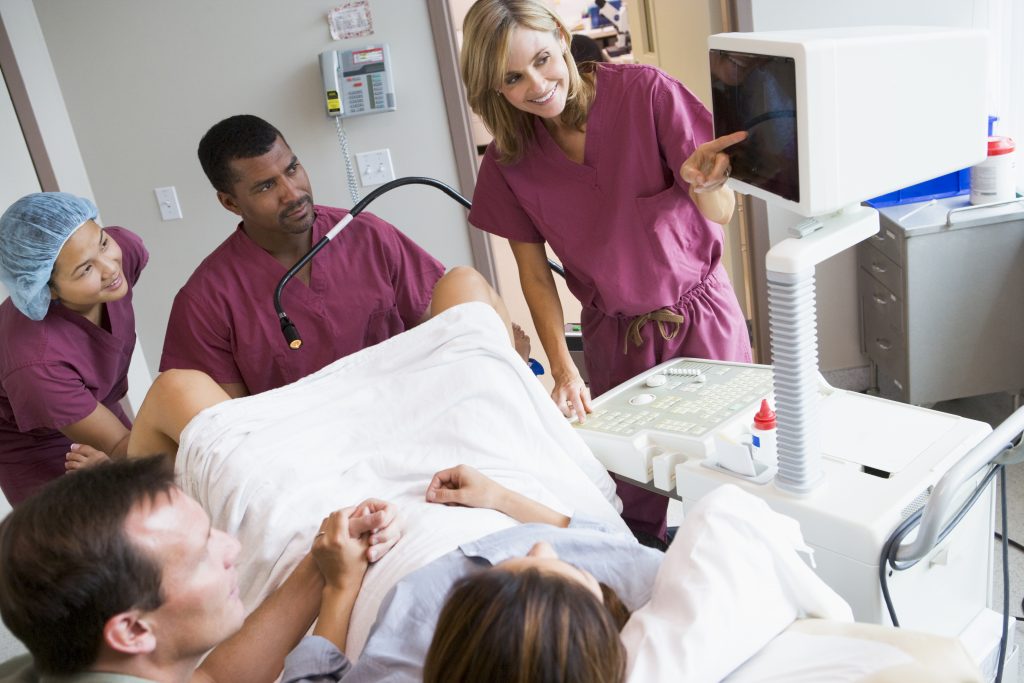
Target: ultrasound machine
[[880, 488]]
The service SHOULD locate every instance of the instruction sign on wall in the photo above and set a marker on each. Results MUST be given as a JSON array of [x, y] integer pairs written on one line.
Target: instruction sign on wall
[[351, 20]]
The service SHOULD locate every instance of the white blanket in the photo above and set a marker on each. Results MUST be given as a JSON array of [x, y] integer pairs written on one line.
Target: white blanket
[[379, 423]]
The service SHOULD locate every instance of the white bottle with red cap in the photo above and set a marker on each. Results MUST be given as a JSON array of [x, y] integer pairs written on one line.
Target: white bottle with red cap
[[763, 432], [995, 179]]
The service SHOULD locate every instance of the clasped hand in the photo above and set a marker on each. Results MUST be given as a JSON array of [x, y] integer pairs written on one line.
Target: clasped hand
[[351, 538]]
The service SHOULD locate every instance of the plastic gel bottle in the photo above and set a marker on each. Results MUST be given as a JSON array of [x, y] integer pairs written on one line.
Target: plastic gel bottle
[[763, 433]]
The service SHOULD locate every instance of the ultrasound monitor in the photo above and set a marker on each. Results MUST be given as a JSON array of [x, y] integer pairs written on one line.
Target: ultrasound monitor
[[757, 93], [837, 116]]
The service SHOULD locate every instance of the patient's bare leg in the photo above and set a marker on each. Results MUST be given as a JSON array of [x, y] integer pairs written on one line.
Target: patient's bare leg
[[461, 285], [174, 399]]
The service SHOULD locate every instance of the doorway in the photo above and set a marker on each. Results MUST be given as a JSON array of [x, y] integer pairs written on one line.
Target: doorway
[[446, 23]]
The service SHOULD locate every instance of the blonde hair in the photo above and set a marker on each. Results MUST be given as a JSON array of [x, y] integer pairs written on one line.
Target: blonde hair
[[487, 33]]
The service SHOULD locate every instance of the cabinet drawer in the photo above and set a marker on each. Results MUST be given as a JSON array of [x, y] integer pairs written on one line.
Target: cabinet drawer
[[881, 267], [886, 347], [886, 240], [876, 300]]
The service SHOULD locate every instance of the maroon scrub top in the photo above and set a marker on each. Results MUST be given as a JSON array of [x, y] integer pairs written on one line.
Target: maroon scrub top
[[371, 283], [54, 371]]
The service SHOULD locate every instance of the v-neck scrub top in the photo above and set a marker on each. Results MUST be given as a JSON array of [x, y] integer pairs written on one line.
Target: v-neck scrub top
[[54, 371], [371, 283], [622, 223], [629, 236]]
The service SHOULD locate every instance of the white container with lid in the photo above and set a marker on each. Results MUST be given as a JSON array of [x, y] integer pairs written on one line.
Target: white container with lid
[[994, 180]]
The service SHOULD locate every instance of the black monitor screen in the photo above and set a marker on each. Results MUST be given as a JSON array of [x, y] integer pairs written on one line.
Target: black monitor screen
[[757, 93]]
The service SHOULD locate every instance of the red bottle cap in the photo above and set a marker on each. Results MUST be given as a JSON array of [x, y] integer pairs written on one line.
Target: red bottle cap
[[765, 418], [1000, 145]]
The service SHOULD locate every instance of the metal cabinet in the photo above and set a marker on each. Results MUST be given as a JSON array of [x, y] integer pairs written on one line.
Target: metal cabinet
[[941, 294]]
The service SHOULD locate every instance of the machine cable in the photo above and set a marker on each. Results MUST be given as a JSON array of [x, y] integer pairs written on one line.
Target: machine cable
[[291, 334], [1004, 638], [1016, 546], [888, 561]]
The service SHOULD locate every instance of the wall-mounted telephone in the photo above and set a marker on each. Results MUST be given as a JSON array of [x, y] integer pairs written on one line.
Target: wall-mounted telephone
[[358, 81]]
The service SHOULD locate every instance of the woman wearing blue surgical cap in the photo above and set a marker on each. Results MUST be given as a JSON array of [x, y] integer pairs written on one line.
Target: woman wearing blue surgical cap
[[68, 332]]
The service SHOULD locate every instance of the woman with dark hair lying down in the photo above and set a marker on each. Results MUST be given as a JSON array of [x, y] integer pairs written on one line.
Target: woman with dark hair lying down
[[540, 602]]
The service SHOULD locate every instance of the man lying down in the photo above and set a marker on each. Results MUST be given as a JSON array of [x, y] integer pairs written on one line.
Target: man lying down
[[498, 497]]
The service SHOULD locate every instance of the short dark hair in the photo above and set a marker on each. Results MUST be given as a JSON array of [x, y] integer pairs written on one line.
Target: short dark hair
[[586, 49], [237, 137], [67, 564], [526, 626]]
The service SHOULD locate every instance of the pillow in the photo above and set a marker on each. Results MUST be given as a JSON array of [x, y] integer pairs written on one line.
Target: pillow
[[730, 582]]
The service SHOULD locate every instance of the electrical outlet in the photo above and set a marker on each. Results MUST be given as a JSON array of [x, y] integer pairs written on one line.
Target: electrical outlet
[[375, 167], [167, 200]]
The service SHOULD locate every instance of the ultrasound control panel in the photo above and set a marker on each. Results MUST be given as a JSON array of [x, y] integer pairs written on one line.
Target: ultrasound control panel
[[643, 428]]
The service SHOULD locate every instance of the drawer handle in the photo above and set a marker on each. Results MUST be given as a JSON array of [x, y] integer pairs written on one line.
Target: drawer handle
[[877, 267], [884, 344], [878, 237], [880, 300]]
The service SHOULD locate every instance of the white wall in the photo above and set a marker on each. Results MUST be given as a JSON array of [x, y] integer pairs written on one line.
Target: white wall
[[144, 80]]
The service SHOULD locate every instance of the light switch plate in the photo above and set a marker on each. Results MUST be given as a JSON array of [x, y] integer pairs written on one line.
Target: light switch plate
[[375, 167], [167, 200]]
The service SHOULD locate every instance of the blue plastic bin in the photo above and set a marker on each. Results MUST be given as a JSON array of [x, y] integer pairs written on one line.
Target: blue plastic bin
[[949, 185], [596, 20]]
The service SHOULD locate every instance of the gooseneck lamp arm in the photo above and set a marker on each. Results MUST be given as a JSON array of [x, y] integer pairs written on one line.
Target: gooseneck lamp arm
[[291, 334]]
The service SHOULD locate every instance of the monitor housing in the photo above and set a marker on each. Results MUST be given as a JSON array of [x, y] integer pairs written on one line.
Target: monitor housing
[[837, 116]]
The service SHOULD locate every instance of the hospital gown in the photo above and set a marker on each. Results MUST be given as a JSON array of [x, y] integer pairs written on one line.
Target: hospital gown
[[399, 641], [371, 283], [631, 239], [54, 371]]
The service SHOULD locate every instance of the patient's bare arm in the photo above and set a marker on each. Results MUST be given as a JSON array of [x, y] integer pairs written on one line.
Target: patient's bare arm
[[464, 485]]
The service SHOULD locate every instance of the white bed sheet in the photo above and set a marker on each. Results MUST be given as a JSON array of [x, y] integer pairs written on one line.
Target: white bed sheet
[[379, 423]]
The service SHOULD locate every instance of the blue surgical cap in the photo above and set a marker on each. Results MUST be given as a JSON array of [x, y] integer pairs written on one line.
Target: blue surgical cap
[[32, 233]]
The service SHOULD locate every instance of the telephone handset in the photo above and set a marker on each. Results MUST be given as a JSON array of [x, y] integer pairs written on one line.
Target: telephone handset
[[358, 81]]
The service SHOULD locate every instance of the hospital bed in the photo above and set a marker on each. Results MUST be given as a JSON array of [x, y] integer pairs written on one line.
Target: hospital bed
[[381, 421]]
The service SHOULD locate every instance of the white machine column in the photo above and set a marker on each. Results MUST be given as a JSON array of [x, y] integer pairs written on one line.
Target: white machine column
[[794, 336]]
